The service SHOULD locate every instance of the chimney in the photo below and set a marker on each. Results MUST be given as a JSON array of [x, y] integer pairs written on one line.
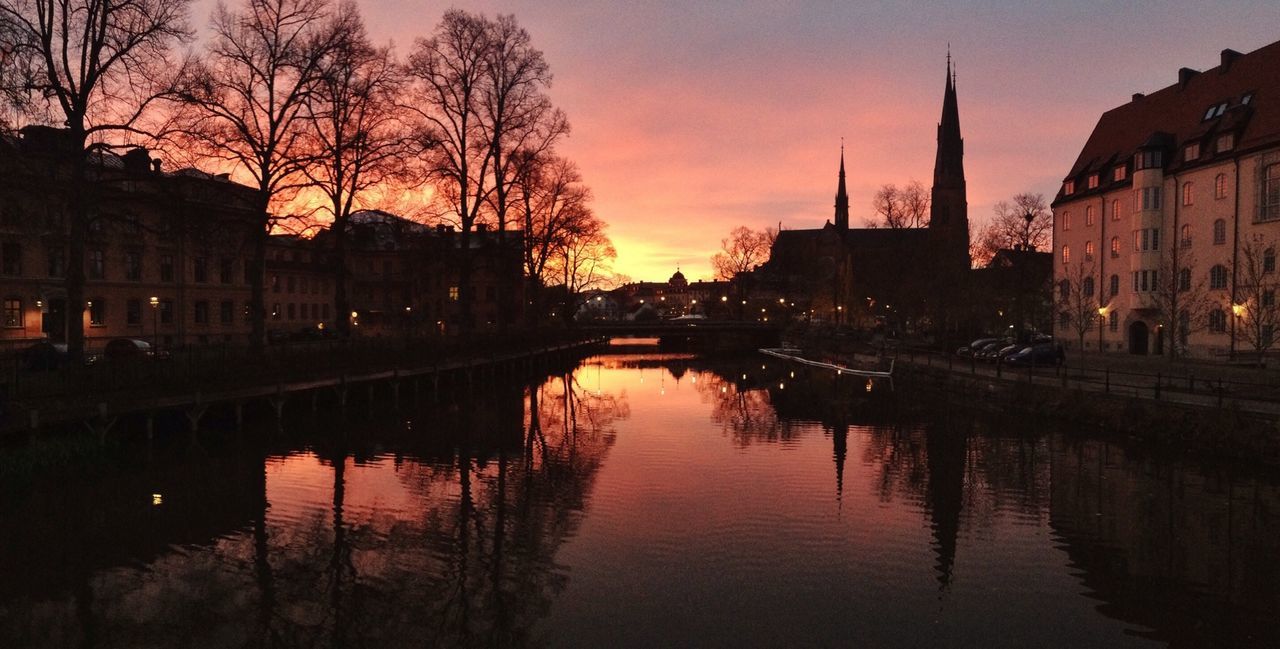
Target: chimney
[[1229, 57], [1137, 96], [155, 166], [137, 160], [440, 229], [1185, 74]]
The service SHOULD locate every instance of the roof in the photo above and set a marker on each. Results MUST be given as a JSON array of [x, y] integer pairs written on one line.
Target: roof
[[1248, 85]]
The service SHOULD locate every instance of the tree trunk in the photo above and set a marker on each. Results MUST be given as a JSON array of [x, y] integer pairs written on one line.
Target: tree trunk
[[257, 278]]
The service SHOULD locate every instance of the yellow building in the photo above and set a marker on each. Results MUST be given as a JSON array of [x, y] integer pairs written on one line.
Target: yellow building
[[1166, 227]]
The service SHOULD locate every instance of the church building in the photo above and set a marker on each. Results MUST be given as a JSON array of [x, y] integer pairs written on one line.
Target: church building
[[897, 276]]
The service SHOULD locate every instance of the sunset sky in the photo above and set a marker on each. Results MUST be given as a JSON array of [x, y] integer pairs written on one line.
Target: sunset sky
[[690, 118]]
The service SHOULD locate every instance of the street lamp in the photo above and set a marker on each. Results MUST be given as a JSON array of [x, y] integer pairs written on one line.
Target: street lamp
[[1102, 318], [155, 323]]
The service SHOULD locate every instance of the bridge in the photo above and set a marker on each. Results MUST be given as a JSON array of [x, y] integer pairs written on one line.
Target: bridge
[[715, 334]]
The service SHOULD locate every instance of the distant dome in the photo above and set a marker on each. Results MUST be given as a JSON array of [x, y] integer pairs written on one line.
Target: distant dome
[[678, 279]]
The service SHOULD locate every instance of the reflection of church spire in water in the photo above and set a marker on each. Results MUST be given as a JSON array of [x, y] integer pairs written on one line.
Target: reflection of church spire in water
[[840, 448], [944, 496]]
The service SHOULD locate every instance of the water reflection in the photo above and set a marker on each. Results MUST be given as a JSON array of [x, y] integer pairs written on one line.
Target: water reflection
[[737, 501]]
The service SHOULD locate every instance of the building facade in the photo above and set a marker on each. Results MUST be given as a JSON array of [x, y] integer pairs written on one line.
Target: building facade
[[1167, 225]]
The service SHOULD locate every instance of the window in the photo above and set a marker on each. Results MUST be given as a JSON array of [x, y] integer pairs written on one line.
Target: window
[[1217, 321], [1066, 259], [1220, 186], [200, 269], [97, 312], [226, 268], [1184, 327], [1146, 198], [1186, 235], [1064, 289], [97, 264], [1146, 239], [1115, 285], [291, 282], [1115, 247], [1148, 160], [13, 313], [12, 253], [1184, 279], [226, 312], [202, 312], [1069, 187], [275, 311], [1191, 152], [133, 266], [1269, 260], [1086, 287], [1113, 321], [1146, 280], [1218, 278], [1064, 319], [1066, 220], [166, 311], [293, 311], [1269, 206], [248, 311], [1115, 209], [453, 290], [1269, 298], [166, 268], [1248, 97], [1188, 194], [133, 312], [1219, 232], [1088, 215], [1226, 142], [1215, 110], [57, 262], [1088, 255], [1119, 173], [275, 283], [324, 311], [1093, 181]]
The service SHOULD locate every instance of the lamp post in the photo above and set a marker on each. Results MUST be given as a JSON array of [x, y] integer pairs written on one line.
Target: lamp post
[[1102, 320], [155, 324]]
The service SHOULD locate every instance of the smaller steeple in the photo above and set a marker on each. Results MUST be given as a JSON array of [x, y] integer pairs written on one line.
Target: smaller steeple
[[842, 196]]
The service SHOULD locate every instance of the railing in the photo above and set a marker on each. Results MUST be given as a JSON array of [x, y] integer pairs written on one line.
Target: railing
[[213, 367], [1206, 385]]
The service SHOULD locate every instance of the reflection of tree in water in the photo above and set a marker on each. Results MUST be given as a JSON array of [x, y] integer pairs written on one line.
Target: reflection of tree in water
[[746, 416]]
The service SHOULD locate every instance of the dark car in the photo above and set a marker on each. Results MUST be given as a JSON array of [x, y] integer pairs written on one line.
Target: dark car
[[44, 356], [968, 350], [1005, 352], [131, 349], [1046, 354], [990, 351]]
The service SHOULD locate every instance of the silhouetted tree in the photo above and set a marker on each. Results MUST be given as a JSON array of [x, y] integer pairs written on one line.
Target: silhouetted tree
[[1076, 302], [1010, 229], [900, 207], [246, 105], [1180, 298], [554, 201], [583, 261], [740, 253], [1256, 288], [93, 67], [359, 141]]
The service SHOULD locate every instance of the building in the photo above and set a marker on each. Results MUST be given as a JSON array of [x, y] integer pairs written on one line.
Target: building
[[1165, 227], [675, 297], [867, 276]]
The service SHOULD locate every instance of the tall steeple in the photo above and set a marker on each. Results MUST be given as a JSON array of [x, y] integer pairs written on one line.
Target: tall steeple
[[949, 211], [842, 197]]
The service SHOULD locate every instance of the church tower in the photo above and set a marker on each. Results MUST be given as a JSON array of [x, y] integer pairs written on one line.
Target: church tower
[[949, 208], [842, 198]]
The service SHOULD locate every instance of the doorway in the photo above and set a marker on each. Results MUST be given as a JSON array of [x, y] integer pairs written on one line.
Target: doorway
[[54, 322], [1138, 336]]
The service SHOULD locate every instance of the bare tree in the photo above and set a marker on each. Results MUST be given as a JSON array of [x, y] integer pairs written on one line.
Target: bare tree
[[740, 252], [900, 207], [1181, 299], [555, 201], [1025, 223], [1076, 301], [517, 119], [450, 80], [96, 67], [358, 134], [584, 261], [1256, 289], [246, 106]]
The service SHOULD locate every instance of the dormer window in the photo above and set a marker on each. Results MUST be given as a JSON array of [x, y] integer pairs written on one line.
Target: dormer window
[[1226, 142], [1093, 181], [1244, 101], [1069, 187], [1215, 110], [1148, 160], [1191, 152], [1119, 173]]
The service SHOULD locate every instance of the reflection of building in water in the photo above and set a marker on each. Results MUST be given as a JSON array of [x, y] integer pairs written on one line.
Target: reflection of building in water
[[1189, 554]]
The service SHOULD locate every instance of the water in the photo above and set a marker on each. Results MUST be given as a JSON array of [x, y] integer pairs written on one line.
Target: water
[[651, 501]]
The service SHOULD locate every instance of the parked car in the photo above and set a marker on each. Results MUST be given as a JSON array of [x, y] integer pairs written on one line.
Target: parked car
[[968, 350], [1045, 353], [131, 349], [44, 356], [988, 352]]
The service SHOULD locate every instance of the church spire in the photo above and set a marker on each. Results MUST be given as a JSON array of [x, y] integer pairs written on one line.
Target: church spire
[[949, 210], [842, 196]]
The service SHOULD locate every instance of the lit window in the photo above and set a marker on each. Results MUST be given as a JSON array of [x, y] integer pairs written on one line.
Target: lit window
[[13, 313], [1088, 215], [1069, 187], [1115, 247], [1188, 193], [1218, 278], [1119, 173], [1115, 209], [1226, 142], [97, 312], [1220, 186], [1191, 152], [1093, 181], [453, 293], [1066, 220], [1066, 259], [1186, 235], [1088, 251]]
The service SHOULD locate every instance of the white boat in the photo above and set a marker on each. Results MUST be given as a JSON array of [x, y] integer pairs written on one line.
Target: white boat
[[790, 354]]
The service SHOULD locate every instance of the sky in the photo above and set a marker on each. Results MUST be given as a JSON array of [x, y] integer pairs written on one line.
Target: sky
[[692, 118]]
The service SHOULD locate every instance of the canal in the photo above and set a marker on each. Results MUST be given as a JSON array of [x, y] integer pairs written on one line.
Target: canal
[[644, 500]]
